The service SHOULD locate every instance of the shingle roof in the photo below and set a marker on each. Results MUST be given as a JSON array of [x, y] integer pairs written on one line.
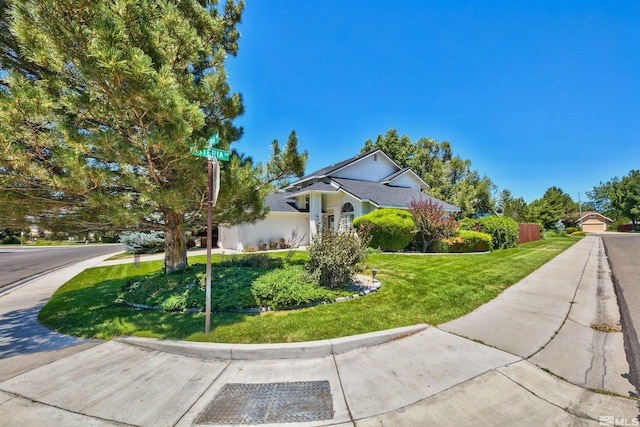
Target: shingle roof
[[316, 186], [387, 196], [278, 203]]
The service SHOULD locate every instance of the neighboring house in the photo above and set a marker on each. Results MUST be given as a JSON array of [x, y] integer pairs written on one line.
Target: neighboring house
[[332, 197], [593, 221]]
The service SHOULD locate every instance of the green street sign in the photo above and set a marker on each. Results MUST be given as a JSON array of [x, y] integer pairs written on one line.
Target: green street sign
[[213, 140], [213, 152]]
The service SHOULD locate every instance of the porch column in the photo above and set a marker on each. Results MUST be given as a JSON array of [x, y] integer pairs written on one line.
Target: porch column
[[315, 214]]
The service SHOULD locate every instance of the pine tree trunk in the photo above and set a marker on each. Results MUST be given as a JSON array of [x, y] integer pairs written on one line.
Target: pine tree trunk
[[175, 243]]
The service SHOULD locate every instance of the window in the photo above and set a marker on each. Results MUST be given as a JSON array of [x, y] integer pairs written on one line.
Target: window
[[347, 214]]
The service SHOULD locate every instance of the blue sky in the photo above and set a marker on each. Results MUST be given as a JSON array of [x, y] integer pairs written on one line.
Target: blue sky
[[536, 94]]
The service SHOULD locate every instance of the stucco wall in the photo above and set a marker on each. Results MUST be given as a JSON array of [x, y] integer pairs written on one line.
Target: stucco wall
[[274, 227], [368, 169], [406, 180]]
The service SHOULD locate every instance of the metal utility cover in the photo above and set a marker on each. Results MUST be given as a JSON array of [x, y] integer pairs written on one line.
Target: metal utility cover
[[270, 403]]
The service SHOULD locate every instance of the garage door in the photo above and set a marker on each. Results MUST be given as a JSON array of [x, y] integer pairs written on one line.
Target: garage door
[[593, 227]]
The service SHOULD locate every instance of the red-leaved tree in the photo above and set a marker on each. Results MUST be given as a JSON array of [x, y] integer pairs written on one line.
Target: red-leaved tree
[[431, 222]]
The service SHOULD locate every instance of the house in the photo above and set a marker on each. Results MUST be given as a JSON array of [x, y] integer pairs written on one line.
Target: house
[[593, 221], [332, 197]]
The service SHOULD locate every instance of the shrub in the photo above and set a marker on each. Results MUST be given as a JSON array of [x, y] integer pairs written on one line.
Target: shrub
[[471, 224], [466, 241], [334, 257], [432, 223], [11, 240], [571, 230], [503, 230], [254, 261], [579, 234], [391, 229], [143, 243], [286, 287]]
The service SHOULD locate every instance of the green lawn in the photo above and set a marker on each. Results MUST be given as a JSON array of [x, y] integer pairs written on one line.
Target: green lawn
[[415, 289]]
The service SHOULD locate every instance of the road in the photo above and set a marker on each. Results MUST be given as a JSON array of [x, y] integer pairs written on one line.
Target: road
[[623, 250], [18, 263]]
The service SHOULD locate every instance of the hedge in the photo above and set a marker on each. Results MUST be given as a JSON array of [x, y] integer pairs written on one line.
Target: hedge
[[466, 241], [503, 230], [391, 229]]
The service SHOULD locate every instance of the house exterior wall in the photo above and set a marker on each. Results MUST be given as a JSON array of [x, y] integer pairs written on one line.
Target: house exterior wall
[[229, 237], [275, 226], [371, 168], [406, 180]]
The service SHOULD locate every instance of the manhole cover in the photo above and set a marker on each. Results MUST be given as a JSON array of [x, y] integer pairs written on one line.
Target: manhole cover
[[270, 403]]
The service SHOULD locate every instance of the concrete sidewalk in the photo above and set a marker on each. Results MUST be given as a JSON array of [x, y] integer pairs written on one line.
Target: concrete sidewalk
[[530, 357]]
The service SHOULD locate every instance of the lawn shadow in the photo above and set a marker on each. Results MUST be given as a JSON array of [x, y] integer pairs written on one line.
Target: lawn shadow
[[94, 312]]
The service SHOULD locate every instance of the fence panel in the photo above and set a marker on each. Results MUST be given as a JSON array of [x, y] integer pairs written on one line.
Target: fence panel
[[528, 233]]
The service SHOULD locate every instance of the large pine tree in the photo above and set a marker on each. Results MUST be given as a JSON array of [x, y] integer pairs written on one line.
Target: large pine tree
[[99, 105]]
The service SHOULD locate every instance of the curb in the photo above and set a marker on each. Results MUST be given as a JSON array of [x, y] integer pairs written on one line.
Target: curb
[[305, 350]]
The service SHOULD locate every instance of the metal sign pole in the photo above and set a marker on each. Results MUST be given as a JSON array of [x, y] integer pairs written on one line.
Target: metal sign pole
[[213, 188], [207, 321]]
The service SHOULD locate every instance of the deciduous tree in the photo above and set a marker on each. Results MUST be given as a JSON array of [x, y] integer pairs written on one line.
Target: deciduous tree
[[626, 196]]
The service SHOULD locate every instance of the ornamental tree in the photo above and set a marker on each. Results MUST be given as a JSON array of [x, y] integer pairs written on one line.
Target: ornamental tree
[[431, 222], [100, 103]]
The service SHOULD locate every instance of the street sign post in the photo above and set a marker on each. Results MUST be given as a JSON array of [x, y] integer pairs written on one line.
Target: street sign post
[[213, 152], [213, 188]]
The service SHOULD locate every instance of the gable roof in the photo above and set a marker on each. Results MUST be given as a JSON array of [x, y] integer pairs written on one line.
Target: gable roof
[[329, 170], [406, 171], [586, 215]]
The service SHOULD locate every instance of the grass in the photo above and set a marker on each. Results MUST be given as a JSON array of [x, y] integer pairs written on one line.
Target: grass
[[415, 289]]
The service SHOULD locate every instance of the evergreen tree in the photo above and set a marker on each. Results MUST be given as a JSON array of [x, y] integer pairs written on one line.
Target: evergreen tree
[[100, 103], [553, 206]]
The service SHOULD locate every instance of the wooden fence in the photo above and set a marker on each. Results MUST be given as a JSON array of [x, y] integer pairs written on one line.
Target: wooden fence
[[528, 233]]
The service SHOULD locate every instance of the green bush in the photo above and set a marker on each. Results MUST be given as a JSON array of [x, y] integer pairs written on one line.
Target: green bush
[[466, 241], [11, 240], [334, 257], [391, 229], [503, 230], [579, 233], [471, 224], [287, 287], [185, 289], [571, 230]]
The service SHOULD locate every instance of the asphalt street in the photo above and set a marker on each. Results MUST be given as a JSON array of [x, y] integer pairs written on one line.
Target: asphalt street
[[19, 263], [623, 250]]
